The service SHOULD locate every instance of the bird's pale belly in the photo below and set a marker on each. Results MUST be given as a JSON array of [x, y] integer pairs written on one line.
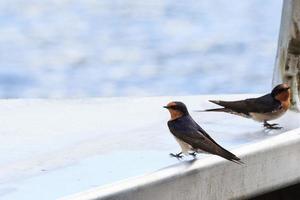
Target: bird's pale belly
[[185, 147], [267, 116]]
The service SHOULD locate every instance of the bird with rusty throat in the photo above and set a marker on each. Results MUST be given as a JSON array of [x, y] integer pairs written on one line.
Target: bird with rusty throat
[[262, 109], [191, 137]]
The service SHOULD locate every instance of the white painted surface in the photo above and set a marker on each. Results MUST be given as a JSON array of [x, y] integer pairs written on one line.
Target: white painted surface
[[54, 148], [270, 164]]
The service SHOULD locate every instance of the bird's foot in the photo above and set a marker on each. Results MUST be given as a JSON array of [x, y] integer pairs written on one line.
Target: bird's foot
[[194, 154], [271, 126], [177, 155]]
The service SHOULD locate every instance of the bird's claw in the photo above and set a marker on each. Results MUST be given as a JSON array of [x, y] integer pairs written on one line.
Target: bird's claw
[[194, 154], [177, 155], [271, 126], [274, 127]]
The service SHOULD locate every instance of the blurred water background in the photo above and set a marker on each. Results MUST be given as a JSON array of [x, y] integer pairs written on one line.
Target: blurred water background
[[89, 48]]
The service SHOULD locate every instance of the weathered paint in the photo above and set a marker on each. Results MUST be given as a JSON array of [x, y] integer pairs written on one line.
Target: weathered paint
[[287, 67]]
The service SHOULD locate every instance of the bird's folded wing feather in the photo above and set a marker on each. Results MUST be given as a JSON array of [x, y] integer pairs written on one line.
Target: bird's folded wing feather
[[189, 133], [263, 104]]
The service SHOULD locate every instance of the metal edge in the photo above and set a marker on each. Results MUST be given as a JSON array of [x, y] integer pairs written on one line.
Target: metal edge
[[270, 155]]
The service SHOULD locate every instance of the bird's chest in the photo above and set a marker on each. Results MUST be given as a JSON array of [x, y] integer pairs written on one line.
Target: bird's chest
[[268, 116]]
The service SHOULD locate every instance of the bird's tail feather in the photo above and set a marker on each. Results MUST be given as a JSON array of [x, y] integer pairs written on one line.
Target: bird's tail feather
[[230, 156], [215, 109]]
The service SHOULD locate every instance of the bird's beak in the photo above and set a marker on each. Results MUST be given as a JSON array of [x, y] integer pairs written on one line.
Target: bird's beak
[[166, 107]]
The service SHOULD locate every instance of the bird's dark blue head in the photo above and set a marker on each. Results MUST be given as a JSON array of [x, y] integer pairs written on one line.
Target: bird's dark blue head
[[279, 89], [177, 106]]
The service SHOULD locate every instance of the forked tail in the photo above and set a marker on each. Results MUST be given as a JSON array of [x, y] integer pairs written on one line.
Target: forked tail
[[215, 109], [230, 156]]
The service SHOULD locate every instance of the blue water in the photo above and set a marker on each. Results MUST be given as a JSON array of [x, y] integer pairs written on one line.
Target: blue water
[[87, 48]]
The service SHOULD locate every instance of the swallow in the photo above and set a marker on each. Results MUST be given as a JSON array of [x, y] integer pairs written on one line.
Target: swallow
[[262, 109], [191, 137]]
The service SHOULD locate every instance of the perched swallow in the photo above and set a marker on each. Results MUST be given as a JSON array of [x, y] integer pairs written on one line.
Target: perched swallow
[[263, 109], [191, 137]]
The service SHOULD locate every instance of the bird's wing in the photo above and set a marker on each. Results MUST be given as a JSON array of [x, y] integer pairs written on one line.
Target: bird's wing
[[223, 150], [201, 130], [186, 130], [263, 104]]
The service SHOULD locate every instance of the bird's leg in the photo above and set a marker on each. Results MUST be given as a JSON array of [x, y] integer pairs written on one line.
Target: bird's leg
[[194, 154], [271, 126], [177, 155]]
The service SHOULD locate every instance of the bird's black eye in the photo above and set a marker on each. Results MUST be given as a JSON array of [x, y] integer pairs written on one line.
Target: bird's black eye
[[174, 107], [282, 90]]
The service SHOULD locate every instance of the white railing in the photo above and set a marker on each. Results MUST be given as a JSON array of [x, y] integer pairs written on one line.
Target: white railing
[[270, 165]]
